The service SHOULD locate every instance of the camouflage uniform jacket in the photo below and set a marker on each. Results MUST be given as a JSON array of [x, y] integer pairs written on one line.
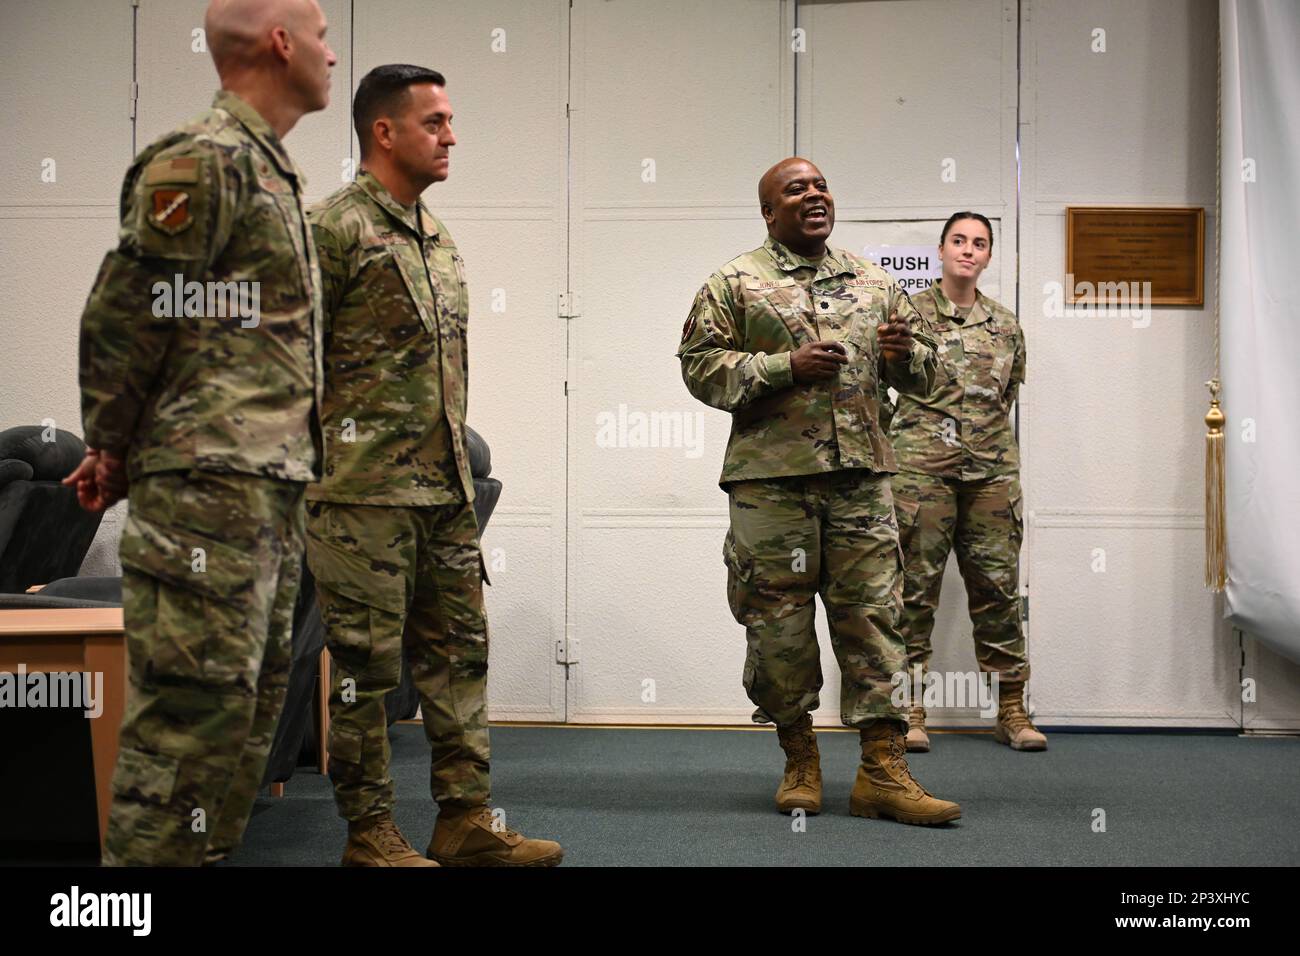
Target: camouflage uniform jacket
[[962, 428], [735, 353], [396, 314], [212, 222]]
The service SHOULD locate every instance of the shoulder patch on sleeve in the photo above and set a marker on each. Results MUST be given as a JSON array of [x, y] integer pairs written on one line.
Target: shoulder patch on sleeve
[[170, 212], [178, 169], [173, 200], [689, 327]]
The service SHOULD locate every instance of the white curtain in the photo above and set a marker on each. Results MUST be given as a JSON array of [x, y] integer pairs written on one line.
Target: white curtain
[[1261, 316]]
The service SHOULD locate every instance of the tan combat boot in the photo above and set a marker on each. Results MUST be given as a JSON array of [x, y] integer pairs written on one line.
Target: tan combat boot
[[376, 841], [475, 838], [1014, 728], [885, 787], [918, 741], [801, 785]]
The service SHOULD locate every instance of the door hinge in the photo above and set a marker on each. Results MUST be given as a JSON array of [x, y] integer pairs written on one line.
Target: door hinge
[[134, 97], [1024, 608], [570, 305], [567, 650]]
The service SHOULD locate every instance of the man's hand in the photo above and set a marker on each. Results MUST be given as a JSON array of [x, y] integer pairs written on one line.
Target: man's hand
[[100, 480], [814, 361], [895, 338]]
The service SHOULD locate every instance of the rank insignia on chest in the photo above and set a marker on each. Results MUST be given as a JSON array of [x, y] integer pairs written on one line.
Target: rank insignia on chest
[[171, 211]]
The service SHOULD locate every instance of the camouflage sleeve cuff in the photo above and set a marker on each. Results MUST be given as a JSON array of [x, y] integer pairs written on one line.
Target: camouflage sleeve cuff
[[776, 370], [916, 363], [113, 443]]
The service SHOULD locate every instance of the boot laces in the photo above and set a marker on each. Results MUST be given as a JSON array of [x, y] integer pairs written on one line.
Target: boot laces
[[897, 758], [1014, 718], [801, 776], [390, 838], [799, 759], [501, 829]]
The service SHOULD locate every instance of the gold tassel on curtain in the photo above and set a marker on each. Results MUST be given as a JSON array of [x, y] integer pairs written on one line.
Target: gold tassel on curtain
[[1216, 530]]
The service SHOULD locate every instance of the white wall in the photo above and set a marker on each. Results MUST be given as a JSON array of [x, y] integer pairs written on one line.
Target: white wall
[[1113, 416], [621, 547]]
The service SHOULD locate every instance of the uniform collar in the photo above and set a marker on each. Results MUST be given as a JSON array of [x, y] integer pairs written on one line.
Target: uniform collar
[[261, 131], [982, 312], [832, 264], [407, 217]]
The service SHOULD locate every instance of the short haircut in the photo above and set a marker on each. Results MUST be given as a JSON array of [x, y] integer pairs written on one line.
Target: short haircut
[[958, 217], [384, 92]]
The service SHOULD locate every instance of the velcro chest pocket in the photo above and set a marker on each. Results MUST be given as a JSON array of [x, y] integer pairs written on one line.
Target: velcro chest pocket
[[778, 315], [992, 352], [399, 295]]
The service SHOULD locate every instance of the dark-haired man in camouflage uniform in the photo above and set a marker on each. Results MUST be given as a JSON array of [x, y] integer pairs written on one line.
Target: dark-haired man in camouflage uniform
[[793, 339], [200, 380], [392, 538]]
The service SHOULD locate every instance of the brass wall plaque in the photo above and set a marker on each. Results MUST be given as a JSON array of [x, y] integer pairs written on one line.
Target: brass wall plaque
[[1110, 251]]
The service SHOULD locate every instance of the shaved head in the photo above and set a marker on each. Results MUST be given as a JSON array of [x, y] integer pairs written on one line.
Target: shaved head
[[775, 177], [797, 206], [239, 31], [272, 54]]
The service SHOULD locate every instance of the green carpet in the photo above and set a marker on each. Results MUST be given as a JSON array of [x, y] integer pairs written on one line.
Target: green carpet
[[704, 798]]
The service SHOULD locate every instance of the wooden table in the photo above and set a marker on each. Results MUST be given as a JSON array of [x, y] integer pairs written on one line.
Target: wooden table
[[89, 640], [62, 640]]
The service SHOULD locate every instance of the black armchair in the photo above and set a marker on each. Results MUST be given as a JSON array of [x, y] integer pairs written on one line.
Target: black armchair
[[44, 533]]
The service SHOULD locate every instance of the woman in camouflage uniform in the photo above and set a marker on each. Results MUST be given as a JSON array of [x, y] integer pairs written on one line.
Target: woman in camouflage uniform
[[959, 479]]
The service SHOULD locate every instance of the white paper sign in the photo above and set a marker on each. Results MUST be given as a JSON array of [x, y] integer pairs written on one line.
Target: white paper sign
[[915, 267]]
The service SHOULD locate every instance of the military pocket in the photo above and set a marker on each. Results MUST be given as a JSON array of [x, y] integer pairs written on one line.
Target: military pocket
[[399, 310], [740, 573], [997, 356], [346, 743], [1017, 502], [346, 746], [907, 511], [205, 611], [145, 778], [188, 559], [338, 567]]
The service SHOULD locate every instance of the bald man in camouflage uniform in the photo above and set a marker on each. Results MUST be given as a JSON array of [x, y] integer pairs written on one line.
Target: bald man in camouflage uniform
[[958, 487], [793, 339], [392, 536], [206, 405]]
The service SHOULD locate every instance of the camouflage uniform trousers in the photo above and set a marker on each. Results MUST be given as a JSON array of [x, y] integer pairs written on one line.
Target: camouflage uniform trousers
[[791, 539], [982, 520], [208, 653], [394, 582]]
